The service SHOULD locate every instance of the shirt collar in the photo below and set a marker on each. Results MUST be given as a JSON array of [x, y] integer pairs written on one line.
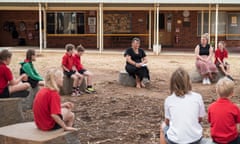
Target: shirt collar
[[223, 100]]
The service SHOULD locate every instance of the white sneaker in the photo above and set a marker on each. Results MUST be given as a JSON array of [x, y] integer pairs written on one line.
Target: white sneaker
[[204, 81], [208, 81]]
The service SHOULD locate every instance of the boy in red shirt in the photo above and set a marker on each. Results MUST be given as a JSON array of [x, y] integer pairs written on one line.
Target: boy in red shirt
[[223, 115], [49, 113], [81, 70], [221, 54], [8, 84], [70, 69]]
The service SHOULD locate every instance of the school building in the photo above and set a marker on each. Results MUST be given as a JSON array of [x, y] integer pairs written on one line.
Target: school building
[[111, 24]]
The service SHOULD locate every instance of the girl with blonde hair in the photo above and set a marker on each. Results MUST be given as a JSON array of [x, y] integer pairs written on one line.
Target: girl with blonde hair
[[49, 113]]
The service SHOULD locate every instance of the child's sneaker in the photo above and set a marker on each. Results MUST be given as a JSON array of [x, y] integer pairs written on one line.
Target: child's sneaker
[[75, 93], [90, 90]]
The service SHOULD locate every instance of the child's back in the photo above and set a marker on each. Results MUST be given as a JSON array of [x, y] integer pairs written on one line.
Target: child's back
[[183, 113], [223, 115]]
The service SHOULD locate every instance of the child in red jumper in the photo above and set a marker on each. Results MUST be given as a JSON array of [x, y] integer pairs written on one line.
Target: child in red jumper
[[8, 84], [81, 70], [221, 55], [223, 115], [70, 70], [49, 113]]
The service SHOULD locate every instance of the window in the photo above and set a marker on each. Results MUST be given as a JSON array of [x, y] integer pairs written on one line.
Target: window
[[161, 21], [65, 23], [221, 23], [233, 28]]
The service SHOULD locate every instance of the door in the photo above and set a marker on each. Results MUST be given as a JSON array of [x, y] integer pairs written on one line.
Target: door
[[165, 29]]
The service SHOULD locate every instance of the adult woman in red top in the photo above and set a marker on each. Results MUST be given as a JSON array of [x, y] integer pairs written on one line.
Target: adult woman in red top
[[204, 64], [221, 55], [8, 84], [49, 113]]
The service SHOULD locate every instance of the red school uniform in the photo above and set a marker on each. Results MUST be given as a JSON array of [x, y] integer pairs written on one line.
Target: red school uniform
[[46, 102], [220, 54], [77, 62], [68, 61], [5, 76], [223, 117]]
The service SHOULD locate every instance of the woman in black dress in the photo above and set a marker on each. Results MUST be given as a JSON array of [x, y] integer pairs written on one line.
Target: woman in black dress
[[136, 63]]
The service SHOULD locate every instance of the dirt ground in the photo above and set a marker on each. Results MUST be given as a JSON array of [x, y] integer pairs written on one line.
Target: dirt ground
[[125, 115]]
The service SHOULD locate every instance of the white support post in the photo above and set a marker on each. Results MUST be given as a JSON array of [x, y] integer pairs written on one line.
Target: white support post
[[45, 28], [150, 30], [209, 23], [154, 25], [202, 22], [101, 27], [40, 26], [157, 30], [216, 27], [98, 25]]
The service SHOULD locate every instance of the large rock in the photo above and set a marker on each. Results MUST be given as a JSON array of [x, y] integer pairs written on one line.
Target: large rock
[[67, 86], [28, 101], [11, 111], [126, 80], [196, 77], [27, 133]]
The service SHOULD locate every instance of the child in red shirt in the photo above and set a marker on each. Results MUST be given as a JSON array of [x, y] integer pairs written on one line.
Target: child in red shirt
[[49, 113], [70, 69], [221, 54], [223, 115], [8, 84], [81, 70]]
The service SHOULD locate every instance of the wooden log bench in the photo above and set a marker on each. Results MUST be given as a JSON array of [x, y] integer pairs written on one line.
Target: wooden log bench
[[66, 89], [27, 133], [196, 77], [11, 111], [125, 79]]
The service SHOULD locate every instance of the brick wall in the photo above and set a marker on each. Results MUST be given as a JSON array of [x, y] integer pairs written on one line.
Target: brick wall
[[29, 18], [187, 36]]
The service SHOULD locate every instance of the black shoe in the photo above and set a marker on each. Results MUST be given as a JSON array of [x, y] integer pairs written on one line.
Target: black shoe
[[228, 76]]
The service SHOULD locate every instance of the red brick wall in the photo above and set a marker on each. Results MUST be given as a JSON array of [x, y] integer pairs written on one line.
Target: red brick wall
[[29, 17], [109, 42], [187, 35]]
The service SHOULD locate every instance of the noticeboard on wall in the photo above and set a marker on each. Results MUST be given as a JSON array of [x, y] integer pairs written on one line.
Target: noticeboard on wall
[[233, 27], [117, 23]]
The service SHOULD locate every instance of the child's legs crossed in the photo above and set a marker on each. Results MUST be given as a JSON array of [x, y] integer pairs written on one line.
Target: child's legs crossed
[[68, 116], [18, 87]]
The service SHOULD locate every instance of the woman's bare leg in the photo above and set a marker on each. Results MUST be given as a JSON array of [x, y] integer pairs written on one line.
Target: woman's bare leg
[[138, 82]]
